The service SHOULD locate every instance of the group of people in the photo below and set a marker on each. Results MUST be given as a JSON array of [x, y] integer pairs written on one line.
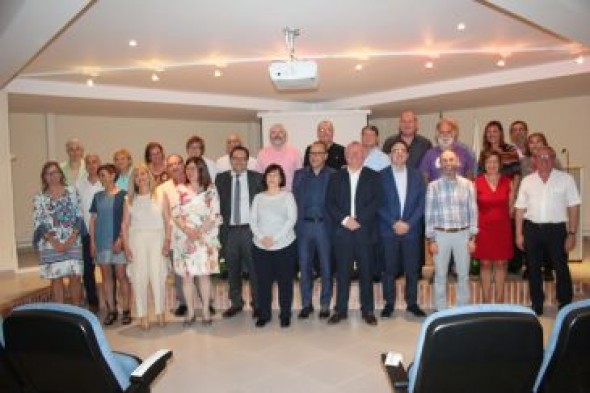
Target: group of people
[[336, 209]]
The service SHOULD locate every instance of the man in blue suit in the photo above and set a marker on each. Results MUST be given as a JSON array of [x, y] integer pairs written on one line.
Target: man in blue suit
[[400, 216], [313, 227], [353, 199]]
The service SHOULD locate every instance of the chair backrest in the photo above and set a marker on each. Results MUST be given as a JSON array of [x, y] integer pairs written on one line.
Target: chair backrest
[[566, 365], [479, 348], [9, 382], [61, 348]]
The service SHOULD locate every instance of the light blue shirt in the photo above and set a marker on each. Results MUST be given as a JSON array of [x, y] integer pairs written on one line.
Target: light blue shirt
[[377, 160]]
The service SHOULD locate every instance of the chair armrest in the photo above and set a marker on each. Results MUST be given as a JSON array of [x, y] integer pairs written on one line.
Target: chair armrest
[[151, 367], [398, 376]]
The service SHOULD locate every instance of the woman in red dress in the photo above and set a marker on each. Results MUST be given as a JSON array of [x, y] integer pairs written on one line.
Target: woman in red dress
[[495, 198]]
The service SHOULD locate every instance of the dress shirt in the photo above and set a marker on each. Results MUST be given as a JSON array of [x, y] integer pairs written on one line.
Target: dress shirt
[[314, 199], [274, 216], [223, 163], [211, 167], [401, 182], [546, 203], [287, 156], [354, 181], [86, 191], [451, 204], [244, 199], [377, 160], [417, 149]]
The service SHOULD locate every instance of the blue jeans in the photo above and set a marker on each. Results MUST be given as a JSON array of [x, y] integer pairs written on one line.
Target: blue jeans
[[314, 236]]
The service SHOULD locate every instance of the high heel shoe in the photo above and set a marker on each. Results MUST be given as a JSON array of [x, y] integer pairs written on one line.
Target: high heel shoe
[[207, 322], [189, 321]]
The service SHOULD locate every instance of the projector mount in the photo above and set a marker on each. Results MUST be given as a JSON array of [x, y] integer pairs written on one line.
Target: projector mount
[[290, 35]]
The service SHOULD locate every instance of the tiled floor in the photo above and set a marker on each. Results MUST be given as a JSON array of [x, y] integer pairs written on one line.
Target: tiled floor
[[233, 356], [310, 356]]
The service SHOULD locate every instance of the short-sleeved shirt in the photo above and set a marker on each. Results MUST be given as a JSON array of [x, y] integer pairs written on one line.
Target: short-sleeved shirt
[[430, 164], [547, 202]]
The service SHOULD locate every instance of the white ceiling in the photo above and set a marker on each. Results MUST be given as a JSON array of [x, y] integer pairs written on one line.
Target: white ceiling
[[185, 41]]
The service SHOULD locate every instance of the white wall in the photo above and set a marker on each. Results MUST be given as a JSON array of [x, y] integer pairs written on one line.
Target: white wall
[[565, 122], [36, 138]]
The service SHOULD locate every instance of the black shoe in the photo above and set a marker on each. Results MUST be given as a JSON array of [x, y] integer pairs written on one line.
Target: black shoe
[[255, 313], [416, 310], [525, 274], [230, 312], [110, 318], [261, 322], [324, 314], [387, 311], [126, 317], [548, 275], [305, 312], [370, 319], [538, 309], [212, 310], [285, 322], [180, 311], [336, 318]]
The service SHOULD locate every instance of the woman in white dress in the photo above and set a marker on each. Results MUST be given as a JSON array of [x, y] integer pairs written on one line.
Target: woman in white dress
[[146, 238], [195, 232]]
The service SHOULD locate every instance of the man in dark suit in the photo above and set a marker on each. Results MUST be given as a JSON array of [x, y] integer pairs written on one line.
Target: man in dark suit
[[400, 217], [314, 228], [236, 189], [354, 195]]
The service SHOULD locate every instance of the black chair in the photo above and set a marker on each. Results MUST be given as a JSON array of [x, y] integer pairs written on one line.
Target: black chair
[[479, 349], [9, 382], [566, 365], [62, 348]]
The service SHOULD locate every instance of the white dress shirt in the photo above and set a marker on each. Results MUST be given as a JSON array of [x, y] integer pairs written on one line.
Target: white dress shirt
[[401, 182], [547, 202]]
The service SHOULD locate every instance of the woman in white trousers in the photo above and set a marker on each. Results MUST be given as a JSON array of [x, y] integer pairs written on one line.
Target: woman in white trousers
[[146, 236]]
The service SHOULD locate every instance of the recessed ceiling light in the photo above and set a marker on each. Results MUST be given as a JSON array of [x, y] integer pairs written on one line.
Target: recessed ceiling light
[[89, 82], [579, 60], [155, 77], [461, 26], [132, 43], [358, 67], [501, 63], [217, 73], [429, 65]]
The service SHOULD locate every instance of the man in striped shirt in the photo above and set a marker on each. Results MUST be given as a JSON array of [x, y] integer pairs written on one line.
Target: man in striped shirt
[[451, 225]]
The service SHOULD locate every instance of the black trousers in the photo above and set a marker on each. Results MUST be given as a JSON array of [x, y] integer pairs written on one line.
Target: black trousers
[[271, 266], [88, 277], [348, 249], [238, 257], [547, 240]]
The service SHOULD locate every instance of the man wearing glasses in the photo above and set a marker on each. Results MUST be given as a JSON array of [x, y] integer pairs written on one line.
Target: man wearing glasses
[[547, 217], [310, 185], [236, 189]]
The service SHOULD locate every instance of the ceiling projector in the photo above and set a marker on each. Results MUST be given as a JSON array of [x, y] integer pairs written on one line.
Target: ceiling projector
[[294, 74]]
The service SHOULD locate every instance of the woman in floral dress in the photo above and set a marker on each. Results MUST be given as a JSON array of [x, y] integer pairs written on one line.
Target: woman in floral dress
[[195, 240], [57, 221]]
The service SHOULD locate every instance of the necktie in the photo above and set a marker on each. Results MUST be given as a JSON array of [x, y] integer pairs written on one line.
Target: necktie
[[237, 201]]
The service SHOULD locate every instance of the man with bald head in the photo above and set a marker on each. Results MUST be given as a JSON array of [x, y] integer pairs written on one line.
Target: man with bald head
[[223, 163], [451, 226], [280, 152], [408, 132], [325, 134]]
